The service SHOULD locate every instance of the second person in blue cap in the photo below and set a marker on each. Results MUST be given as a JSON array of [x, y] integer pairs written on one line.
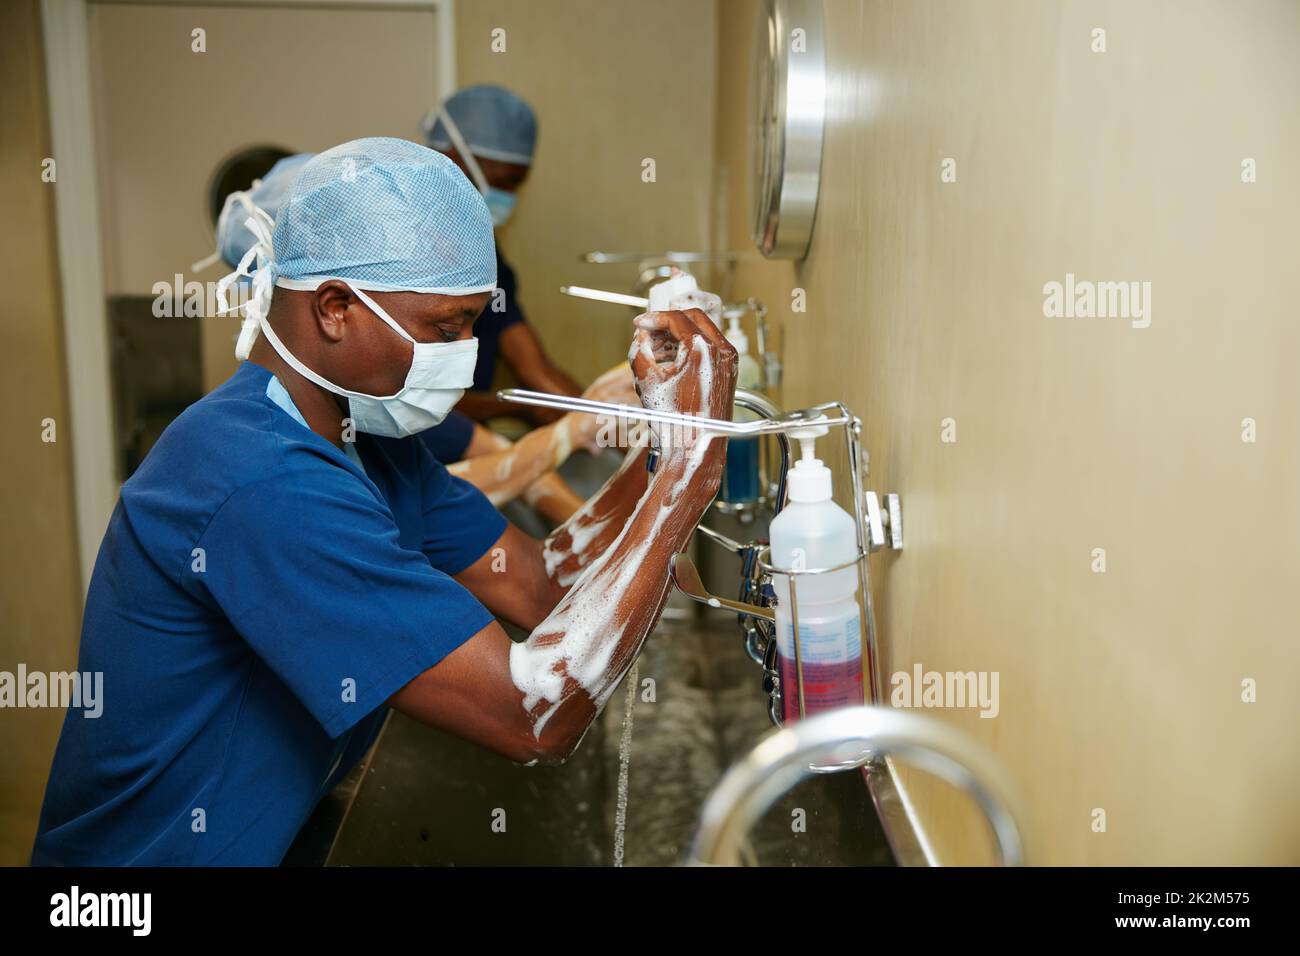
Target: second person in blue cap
[[491, 134]]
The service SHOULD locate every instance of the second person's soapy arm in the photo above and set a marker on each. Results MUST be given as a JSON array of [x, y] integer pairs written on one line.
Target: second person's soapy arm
[[504, 473], [533, 701]]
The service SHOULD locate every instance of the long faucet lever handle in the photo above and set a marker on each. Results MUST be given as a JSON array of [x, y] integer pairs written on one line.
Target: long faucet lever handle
[[717, 537]]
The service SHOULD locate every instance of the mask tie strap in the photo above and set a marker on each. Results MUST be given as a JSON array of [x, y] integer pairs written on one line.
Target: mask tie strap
[[374, 307], [206, 262], [263, 278], [453, 131]]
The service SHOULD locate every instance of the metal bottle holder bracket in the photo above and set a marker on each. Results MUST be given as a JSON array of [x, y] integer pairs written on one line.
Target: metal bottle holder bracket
[[756, 595], [871, 734]]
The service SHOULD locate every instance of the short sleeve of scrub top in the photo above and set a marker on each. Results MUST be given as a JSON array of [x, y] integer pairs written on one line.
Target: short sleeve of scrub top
[[452, 507], [308, 567]]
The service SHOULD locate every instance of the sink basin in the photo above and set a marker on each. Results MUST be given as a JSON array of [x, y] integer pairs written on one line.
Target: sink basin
[[424, 797]]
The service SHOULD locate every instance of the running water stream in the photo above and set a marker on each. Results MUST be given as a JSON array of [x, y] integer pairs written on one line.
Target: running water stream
[[624, 760]]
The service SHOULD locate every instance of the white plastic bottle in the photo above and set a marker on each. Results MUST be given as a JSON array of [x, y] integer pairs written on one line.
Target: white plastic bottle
[[681, 291], [813, 532]]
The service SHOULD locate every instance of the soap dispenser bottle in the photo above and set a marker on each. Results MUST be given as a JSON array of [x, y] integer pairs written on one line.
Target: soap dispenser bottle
[[680, 292], [813, 532], [740, 477]]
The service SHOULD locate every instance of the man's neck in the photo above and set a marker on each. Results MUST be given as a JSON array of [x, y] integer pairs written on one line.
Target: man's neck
[[318, 406]]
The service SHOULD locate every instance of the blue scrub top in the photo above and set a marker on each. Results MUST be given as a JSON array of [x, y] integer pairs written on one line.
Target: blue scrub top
[[256, 600], [449, 440]]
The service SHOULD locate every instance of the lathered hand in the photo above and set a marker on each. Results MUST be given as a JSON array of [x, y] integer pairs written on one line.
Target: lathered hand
[[683, 363]]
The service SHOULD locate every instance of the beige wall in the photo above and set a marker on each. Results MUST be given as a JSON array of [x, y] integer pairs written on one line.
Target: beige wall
[[612, 84], [166, 116], [1119, 690], [39, 595]]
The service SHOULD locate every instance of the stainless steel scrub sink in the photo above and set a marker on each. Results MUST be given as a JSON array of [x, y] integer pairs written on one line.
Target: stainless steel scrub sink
[[426, 798], [631, 794]]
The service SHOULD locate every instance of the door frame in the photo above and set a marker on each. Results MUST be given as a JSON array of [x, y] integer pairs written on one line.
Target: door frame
[[77, 224]]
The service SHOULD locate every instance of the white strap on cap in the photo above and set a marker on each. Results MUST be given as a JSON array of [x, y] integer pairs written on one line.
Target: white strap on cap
[[430, 122], [259, 304], [312, 283], [462, 147], [244, 198]]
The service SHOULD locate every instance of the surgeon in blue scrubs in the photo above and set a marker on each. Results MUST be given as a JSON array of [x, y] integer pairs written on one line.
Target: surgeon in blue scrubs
[[289, 559], [491, 134], [500, 469]]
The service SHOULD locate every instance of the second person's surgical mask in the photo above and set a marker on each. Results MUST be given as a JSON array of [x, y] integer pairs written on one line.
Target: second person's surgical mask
[[439, 374], [501, 205]]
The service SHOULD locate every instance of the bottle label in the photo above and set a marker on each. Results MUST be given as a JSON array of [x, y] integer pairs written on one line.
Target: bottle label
[[832, 667]]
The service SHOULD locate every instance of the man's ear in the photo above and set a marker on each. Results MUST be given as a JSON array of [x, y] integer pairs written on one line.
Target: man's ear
[[330, 304]]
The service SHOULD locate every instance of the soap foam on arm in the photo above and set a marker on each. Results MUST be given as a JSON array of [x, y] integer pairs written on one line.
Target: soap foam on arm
[[504, 475], [591, 529], [594, 633], [581, 651]]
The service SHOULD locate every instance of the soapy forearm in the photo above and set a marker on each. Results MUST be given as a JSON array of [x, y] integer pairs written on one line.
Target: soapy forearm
[[574, 659], [503, 475], [594, 526], [553, 499], [586, 535], [532, 702]]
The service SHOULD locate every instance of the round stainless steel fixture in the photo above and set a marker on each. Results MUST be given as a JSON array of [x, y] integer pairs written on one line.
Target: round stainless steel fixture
[[789, 115]]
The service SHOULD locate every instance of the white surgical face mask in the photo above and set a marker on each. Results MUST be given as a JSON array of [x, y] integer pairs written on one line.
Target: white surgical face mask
[[501, 205], [439, 374]]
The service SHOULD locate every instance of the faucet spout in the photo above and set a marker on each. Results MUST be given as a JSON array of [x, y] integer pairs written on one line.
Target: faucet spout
[[853, 736]]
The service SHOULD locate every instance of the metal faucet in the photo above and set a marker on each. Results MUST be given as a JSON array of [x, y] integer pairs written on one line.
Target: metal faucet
[[755, 591], [848, 737]]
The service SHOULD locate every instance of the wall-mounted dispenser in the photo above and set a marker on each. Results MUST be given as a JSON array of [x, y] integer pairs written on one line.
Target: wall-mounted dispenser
[[821, 629]]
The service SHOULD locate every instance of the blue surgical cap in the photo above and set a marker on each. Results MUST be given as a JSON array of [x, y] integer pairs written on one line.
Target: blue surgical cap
[[382, 214], [495, 123], [234, 238], [387, 215]]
